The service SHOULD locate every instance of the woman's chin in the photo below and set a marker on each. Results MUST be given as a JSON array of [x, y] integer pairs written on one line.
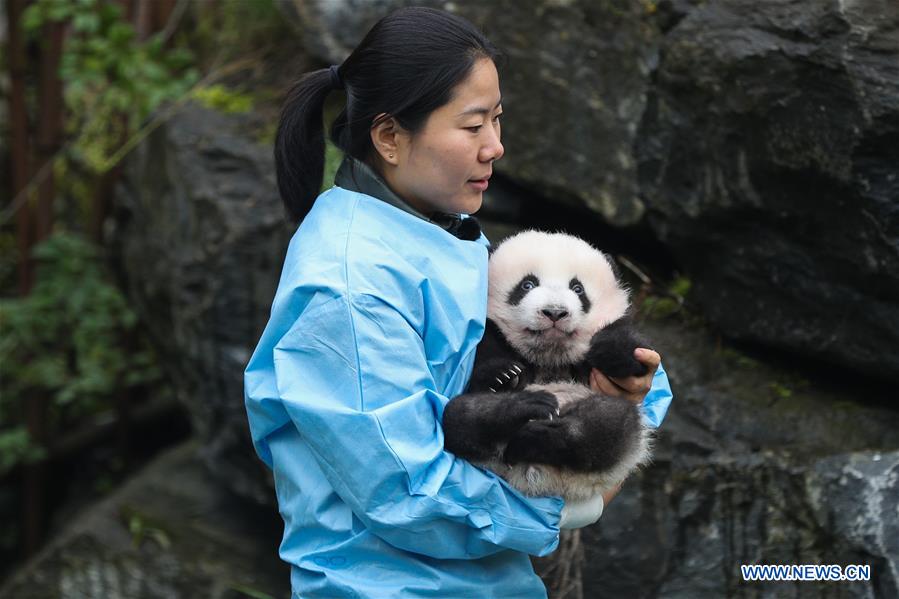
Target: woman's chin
[[472, 204]]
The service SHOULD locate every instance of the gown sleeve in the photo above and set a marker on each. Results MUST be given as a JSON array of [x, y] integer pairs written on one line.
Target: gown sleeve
[[656, 402], [353, 376]]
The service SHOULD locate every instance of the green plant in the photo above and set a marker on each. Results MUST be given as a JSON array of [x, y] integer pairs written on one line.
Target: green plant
[[73, 339], [15, 447], [112, 80], [143, 527], [669, 302]]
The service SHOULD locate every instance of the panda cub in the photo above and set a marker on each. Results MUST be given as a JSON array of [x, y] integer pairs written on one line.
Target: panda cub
[[555, 309]]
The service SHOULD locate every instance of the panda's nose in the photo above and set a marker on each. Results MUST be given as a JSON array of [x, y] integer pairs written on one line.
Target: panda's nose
[[554, 314]]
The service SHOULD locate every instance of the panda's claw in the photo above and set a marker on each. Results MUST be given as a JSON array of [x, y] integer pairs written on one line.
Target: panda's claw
[[492, 389]]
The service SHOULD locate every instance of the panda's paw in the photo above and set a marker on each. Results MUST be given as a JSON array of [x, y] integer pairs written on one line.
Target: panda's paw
[[532, 405], [612, 351], [507, 378], [540, 442]]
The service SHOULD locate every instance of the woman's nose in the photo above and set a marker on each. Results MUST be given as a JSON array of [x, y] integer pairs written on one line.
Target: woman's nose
[[493, 148]]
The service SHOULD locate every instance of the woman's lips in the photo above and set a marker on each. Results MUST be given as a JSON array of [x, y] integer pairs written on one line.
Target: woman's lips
[[479, 184]]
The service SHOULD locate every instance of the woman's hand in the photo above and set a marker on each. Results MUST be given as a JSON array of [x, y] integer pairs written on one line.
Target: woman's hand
[[608, 495], [632, 388]]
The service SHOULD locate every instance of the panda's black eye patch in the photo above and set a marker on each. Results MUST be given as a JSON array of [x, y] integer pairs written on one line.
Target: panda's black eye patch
[[578, 288], [520, 290]]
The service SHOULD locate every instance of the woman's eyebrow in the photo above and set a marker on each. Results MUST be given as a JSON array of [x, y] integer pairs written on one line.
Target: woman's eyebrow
[[479, 109]]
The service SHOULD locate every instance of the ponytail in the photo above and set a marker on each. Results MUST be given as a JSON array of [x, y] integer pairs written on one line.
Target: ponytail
[[300, 144]]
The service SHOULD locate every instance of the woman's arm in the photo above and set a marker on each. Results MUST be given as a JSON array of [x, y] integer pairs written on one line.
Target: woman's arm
[[354, 379]]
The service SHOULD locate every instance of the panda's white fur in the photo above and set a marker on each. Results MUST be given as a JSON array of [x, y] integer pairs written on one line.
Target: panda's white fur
[[556, 259]]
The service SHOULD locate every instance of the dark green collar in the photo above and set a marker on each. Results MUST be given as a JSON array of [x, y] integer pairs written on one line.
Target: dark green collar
[[357, 176]]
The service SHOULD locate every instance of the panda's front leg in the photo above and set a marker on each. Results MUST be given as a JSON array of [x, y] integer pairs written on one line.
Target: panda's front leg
[[477, 425], [612, 350], [593, 434]]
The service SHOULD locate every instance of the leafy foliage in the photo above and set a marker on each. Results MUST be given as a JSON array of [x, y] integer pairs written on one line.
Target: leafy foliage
[[68, 339], [15, 447], [113, 81]]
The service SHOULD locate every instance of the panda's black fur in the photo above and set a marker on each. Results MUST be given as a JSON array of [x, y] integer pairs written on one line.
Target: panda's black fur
[[528, 413]]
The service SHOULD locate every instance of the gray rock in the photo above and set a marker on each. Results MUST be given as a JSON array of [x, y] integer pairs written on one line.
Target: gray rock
[[771, 143], [171, 532], [856, 498], [200, 236]]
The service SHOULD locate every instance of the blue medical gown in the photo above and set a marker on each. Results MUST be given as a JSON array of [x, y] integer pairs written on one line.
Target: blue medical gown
[[373, 328]]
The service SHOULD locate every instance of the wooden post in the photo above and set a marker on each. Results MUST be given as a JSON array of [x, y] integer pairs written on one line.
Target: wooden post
[[50, 127], [49, 135], [20, 149]]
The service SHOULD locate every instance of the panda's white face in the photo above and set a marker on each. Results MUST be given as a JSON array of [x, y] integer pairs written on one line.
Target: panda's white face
[[549, 293]]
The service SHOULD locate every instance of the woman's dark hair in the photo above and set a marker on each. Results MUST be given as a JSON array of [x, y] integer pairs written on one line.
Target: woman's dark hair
[[406, 67]]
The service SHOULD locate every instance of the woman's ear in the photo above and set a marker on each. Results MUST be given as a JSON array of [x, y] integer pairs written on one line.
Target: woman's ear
[[385, 134]]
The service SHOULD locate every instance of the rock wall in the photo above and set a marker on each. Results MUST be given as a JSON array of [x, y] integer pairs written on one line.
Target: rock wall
[[771, 143], [200, 236]]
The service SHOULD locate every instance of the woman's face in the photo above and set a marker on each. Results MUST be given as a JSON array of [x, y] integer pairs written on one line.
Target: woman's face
[[445, 166]]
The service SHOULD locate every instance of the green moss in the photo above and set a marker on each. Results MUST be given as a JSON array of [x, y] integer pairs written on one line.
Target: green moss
[[142, 527], [680, 287], [266, 135], [218, 97], [780, 391], [668, 302], [739, 358], [656, 307]]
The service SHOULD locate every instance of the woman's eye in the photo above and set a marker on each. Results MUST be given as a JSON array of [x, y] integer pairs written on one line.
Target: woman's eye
[[477, 128]]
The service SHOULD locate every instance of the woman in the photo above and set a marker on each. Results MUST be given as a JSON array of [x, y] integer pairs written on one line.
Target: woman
[[374, 327]]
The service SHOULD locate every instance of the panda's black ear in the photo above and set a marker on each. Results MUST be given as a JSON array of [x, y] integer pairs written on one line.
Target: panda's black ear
[[616, 270]]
